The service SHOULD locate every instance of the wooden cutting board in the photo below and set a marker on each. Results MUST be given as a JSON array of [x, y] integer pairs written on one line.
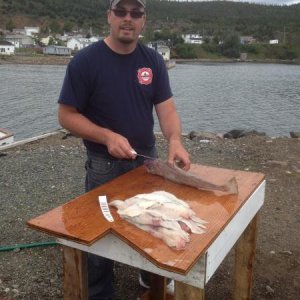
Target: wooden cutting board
[[81, 219]]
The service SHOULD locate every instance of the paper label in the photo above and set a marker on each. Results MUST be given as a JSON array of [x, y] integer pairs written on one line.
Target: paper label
[[105, 209]]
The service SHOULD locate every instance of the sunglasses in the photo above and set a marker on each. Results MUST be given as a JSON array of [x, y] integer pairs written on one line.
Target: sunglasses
[[121, 13]]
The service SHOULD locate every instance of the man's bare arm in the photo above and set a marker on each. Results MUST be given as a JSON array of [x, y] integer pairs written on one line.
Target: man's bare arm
[[170, 125], [117, 145]]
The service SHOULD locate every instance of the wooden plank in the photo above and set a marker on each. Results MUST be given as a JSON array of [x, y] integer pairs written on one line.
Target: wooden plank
[[146, 296], [81, 220], [113, 248], [244, 258], [233, 230], [157, 287], [187, 292], [75, 274]]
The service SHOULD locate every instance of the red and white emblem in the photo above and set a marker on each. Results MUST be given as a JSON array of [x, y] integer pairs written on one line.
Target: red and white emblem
[[145, 76]]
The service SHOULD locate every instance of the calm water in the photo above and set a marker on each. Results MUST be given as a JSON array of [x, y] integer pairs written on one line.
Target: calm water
[[209, 97]]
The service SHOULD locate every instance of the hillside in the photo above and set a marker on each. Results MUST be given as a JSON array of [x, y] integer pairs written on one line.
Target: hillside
[[203, 17]]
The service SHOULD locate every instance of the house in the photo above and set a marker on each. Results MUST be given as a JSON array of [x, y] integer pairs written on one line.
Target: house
[[46, 40], [6, 48], [245, 40], [19, 31], [273, 42], [192, 39], [31, 30], [161, 48], [164, 51], [57, 50], [20, 40], [78, 43]]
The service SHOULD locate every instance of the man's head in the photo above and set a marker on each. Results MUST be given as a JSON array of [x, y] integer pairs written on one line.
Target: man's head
[[126, 19]]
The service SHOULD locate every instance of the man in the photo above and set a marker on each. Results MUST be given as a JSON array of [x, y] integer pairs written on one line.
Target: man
[[107, 98]]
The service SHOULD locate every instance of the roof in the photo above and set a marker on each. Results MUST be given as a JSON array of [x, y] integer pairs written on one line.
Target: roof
[[5, 43]]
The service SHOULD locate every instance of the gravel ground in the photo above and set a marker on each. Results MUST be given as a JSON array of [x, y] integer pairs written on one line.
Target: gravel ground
[[38, 176]]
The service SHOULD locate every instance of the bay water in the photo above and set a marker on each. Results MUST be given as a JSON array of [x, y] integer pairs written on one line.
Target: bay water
[[215, 97]]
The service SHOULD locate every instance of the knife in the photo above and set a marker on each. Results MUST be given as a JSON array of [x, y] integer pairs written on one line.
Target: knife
[[142, 155]]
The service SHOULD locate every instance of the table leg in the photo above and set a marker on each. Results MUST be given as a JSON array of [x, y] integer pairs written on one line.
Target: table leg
[[157, 287], [244, 258], [187, 292], [75, 274]]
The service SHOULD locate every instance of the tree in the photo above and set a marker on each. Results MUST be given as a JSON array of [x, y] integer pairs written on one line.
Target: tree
[[186, 51], [68, 27], [9, 25], [231, 46]]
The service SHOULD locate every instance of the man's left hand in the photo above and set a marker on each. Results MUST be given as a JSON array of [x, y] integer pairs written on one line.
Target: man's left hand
[[178, 155]]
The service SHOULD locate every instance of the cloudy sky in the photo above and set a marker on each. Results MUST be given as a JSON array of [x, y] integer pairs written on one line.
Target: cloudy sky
[[270, 2]]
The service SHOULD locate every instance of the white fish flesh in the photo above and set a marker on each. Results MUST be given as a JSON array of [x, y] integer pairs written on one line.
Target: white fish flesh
[[163, 215], [175, 174]]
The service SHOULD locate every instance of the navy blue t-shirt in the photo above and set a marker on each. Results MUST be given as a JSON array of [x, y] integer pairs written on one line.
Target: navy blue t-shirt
[[117, 91]]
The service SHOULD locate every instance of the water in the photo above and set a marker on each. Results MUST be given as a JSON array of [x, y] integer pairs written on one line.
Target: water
[[209, 97], [221, 97], [28, 98]]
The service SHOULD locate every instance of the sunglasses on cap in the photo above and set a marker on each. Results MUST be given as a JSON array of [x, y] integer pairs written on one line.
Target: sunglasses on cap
[[121, 13]]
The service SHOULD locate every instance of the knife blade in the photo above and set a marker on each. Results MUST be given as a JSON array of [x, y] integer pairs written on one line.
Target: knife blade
[[142, 155]]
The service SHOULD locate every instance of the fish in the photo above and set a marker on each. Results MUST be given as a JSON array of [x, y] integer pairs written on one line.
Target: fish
[[163, 215], [176, 174]]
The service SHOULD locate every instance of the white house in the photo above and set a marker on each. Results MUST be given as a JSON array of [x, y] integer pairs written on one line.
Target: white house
[[77, 43], [244, 40], [80, 43], [6, 48], [273, 42], [31, 30], [161, 48], [192, 39], [164, 51], [57, 50]]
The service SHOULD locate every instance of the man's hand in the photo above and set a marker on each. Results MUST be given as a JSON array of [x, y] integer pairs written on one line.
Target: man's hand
[[178, 155], [119, 147]]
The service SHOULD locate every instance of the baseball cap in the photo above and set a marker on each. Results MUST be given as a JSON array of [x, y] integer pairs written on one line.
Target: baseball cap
[[115, 2]]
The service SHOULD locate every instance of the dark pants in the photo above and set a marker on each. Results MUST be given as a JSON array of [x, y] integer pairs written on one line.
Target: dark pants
[[101, 169]]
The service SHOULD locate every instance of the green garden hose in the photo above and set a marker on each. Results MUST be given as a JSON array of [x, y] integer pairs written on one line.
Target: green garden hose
[[24, 246]]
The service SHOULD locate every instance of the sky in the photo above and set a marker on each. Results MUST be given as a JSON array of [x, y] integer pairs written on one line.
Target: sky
[[268, 2], [271, 2]]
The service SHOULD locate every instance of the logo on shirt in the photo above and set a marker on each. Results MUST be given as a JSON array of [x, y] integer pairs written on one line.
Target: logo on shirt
[[145, 76]]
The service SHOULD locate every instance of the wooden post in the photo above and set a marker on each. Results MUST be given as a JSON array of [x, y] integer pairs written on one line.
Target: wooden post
[[187, 292], [157, 287], [75, 274], [244, 258]]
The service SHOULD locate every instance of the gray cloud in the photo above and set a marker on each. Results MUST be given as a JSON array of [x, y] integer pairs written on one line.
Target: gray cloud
[[267, 2]]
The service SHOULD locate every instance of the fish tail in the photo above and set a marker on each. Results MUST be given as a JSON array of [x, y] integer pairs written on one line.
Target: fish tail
[[231, 186]]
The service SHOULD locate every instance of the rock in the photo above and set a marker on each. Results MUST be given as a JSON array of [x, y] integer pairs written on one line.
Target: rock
[[269, 290], [277, 163], [238, 133], [295, 134], [272, 180], [202, 135], [288, 252]]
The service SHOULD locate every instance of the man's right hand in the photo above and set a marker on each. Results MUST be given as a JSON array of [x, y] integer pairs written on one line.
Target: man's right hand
[[119, 147]]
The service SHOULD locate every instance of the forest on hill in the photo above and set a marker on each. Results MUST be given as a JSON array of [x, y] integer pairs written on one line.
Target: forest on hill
[[168, 20]]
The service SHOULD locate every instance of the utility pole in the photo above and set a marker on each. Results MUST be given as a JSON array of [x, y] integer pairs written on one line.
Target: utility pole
[[283, 35]]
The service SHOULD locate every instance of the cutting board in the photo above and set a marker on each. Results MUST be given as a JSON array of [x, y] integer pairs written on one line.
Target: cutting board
[[82, 221]]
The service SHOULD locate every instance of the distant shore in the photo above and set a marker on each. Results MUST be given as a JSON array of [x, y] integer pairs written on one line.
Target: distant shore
[[64, 60]]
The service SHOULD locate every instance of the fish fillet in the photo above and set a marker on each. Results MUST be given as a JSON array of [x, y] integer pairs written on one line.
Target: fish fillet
[[175, 174], [163, 215]]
